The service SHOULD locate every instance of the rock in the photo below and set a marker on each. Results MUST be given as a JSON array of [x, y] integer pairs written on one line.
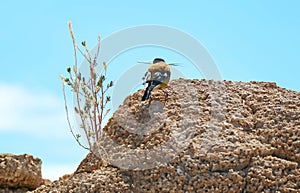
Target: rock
[[13, 190], [19, 173], [196, 136]]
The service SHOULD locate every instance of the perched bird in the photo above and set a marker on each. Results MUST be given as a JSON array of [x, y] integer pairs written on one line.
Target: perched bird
[[157, 77]]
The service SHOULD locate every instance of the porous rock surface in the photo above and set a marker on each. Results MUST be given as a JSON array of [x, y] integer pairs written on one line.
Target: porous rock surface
[[19, 173], [197, 136]]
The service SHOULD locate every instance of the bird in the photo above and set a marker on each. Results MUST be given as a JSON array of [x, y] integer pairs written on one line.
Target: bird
[[157, 77]]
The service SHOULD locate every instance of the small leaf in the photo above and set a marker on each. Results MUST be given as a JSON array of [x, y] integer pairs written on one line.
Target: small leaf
[[79, 76], [87, 105], [76, 110], [78, 136], [102, 77], [100, 81], [110, 84], [81, 112], [83, 43], [107, 99], [69, 70]]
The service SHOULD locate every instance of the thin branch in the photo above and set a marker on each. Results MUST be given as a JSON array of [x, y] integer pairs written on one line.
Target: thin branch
[[87, 51], [78, 83], [68, 119], [84, 55], [82, 119], [98, 51], [74, 42]]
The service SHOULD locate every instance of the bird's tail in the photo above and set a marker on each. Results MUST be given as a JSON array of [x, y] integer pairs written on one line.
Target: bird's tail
[[147, 93], [149, 89]]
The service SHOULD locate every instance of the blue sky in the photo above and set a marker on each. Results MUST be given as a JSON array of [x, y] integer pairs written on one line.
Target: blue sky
[[248, 40]]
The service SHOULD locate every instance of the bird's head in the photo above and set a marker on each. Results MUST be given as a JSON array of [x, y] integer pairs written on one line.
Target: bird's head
[[156, 60]]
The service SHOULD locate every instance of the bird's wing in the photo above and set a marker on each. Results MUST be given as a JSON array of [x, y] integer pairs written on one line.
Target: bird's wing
[[146, 77], [161, 76]]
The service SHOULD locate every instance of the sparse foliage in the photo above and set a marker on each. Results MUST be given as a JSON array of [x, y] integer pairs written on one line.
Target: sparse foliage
[[90, 94]]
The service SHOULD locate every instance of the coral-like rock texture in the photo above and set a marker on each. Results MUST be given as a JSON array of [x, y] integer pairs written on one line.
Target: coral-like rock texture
[[196, 136], [19, 173]]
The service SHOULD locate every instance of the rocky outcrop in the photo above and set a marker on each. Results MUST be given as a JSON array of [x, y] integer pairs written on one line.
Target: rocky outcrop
[[19, 173], [197, 136]]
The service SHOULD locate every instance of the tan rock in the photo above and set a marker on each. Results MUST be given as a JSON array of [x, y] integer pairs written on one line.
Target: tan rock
[[203, 136], [19, 172]]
